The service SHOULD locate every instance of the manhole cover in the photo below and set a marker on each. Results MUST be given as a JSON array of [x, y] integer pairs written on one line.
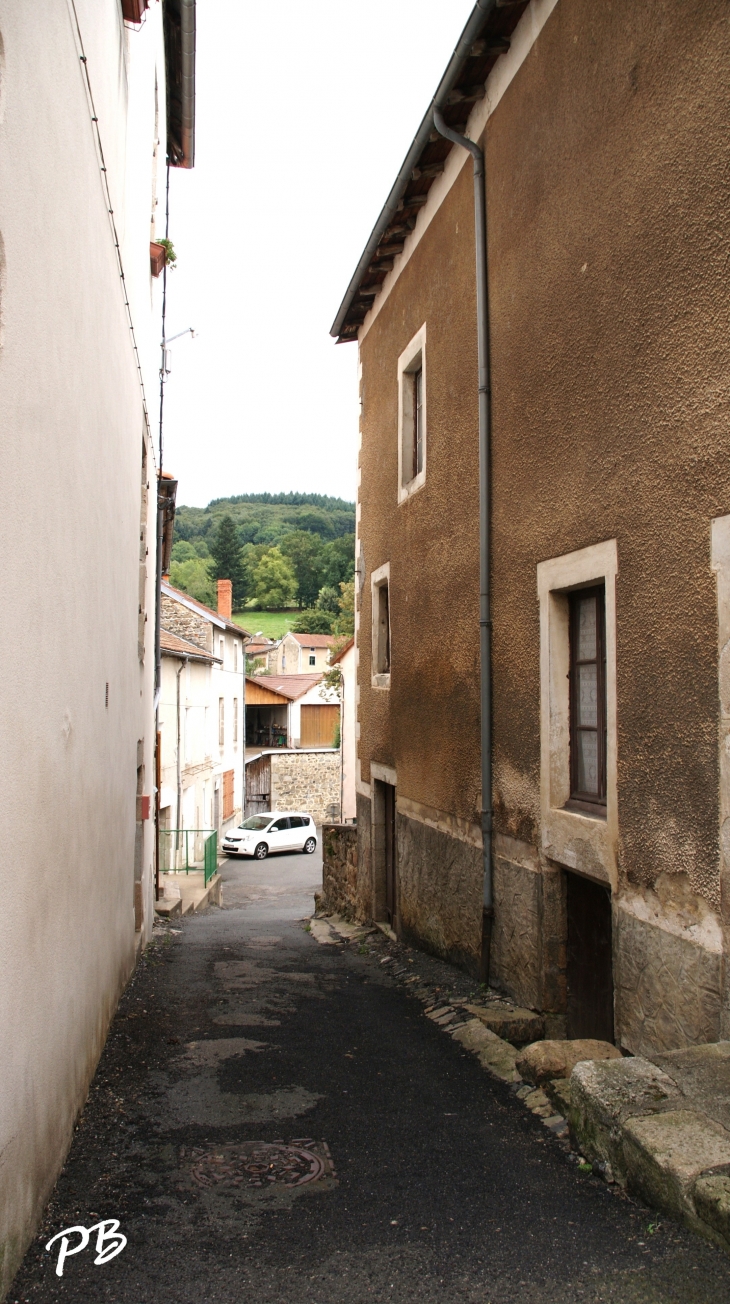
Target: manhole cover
[[262, 1164]]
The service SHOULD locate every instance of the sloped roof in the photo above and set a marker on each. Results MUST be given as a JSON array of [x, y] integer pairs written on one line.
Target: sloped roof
[[485, 37], [290, 686], [313, 640], [176, 646], [350, 643], [208, 612]]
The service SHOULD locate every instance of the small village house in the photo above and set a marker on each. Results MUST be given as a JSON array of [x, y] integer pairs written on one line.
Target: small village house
[[202, 714], [292, 711], [86, 127], [570, 465], [302, 654]]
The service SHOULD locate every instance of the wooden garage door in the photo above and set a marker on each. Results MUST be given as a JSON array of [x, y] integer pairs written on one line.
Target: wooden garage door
[[319, 724]]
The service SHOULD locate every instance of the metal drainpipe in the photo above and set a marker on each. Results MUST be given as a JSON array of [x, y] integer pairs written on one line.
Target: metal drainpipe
[[485, 616]]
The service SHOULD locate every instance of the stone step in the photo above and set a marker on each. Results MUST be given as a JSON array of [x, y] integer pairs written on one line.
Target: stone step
[[511, 1023]]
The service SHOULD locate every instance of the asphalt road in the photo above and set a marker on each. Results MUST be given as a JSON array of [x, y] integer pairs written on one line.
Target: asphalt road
[[434, 1181]]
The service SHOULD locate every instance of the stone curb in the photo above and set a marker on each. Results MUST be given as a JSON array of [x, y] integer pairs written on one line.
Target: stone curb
[[634, 1123]]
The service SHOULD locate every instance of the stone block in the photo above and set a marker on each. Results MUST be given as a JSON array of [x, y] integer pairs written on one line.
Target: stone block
[[668, 987], [711, 1198], [494, 1054], [439, 892], [664, 1154], [559, 1091], [515, 958], [604, 1094], [544, 1060], [703, 1074], [515, 1025]]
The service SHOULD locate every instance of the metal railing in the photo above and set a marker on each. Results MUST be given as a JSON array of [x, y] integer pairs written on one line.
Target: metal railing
[[180, 854]]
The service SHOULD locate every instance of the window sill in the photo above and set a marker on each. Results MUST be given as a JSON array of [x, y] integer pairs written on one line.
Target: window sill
[[593, 810], [406, 491], [380, 681]]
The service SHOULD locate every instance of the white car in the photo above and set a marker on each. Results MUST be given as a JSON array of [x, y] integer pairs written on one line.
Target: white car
[[277, 831]]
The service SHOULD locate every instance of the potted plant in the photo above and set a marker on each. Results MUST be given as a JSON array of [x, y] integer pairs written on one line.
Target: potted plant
[[162, 254]]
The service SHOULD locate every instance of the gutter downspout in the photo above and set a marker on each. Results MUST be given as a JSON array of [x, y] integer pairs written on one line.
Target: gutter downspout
[[485, 615]]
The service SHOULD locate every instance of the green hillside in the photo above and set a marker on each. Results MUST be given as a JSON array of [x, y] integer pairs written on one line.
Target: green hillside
[[279, 550], [267, 518]]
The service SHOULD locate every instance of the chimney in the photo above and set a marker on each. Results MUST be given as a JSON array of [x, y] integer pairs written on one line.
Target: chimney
[[225, 598]]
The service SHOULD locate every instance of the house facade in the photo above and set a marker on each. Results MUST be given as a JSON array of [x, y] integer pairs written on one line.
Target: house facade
[[84, 135], [291, 711], [602, 128], [202, 712], [301, 654]]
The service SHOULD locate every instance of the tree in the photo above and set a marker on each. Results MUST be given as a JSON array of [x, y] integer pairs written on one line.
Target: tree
[[193, 576], [226, 550], [183, 551], [338, 560], [313, 622], [345, 621], [275, 584], [305, 553], [328, 599]]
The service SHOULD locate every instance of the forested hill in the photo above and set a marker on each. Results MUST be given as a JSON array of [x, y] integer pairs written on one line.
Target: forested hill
[[267, 518]]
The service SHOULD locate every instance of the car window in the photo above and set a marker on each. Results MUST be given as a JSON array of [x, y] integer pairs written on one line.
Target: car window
[[281, 824], [296, 821], [256, 822]]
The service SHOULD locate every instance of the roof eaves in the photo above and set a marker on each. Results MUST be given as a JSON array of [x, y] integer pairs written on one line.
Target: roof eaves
[[471, 63]]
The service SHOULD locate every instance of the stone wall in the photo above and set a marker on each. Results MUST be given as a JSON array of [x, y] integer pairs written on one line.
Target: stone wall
[[668, 977], [180, 620], [439, 892], [340, 888], [306, 781]]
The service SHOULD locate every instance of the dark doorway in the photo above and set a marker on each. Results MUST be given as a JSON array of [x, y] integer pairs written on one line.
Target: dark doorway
[[589, 968], [391, 893]]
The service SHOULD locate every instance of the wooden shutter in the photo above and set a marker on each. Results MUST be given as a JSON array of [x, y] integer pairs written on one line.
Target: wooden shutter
[[319, 724], [227, 794]]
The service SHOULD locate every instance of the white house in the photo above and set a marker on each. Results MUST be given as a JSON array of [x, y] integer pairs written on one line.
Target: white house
[[201, 712], [346, 660], [84, 134]]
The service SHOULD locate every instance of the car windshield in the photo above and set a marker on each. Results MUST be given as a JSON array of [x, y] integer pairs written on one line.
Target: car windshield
[[256, 822]]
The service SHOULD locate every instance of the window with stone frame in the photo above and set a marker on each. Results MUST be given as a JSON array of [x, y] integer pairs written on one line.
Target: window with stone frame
[[587, 708]]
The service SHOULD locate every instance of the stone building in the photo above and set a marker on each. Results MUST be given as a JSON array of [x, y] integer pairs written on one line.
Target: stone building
[[608, 488]]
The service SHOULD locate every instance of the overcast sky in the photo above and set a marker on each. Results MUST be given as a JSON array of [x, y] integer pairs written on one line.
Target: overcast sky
[[304, 115]]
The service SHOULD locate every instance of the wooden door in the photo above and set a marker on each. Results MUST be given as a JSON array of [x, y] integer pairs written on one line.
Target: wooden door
[[319, 725], [391, 866], [589, 959]]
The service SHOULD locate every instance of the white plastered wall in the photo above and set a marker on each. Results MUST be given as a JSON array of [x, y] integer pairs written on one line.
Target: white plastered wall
[[73, 425]]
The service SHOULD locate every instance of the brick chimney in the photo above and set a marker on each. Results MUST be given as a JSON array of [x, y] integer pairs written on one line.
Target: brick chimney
[[225, 598]]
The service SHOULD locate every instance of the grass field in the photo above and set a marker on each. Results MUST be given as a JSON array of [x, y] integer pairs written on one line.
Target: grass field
[[270, 623]]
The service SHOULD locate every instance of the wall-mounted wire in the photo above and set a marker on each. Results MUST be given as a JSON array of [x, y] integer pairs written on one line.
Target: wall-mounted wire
[[110, 210]]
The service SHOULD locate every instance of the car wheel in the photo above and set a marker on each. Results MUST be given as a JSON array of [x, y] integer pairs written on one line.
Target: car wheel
[[310, 845], [261, 851]]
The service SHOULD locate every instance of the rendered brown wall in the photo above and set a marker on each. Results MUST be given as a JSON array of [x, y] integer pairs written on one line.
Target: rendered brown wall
[[607, 164]]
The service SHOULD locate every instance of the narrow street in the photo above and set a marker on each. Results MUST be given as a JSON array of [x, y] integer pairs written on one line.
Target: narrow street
[[430, 1180]]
